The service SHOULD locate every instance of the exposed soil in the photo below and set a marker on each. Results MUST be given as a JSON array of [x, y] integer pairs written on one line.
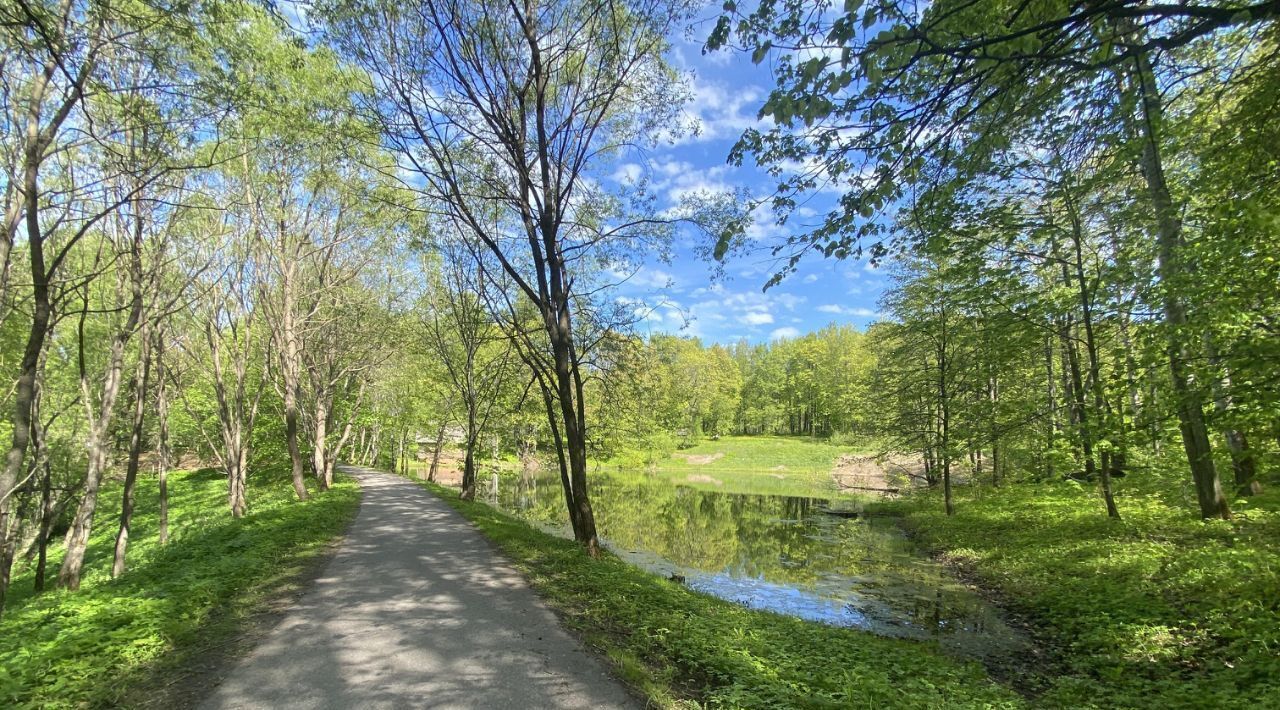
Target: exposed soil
[[700, 459], [449, 470], [699, 478], [886, 475]]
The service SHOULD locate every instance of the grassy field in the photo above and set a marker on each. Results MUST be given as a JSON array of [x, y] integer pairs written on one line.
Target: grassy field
[[688, 650], [130, 642], [1156, 610], [771, 465]]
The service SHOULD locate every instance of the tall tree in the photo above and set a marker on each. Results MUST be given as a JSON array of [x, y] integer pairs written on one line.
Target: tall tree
[[878, 99], [502, 112], [476, 355]]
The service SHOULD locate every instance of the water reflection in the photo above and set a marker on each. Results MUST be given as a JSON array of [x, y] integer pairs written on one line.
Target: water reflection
[[786, 554]]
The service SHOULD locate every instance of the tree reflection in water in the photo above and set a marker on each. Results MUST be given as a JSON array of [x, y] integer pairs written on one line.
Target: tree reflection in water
[[776, 553]]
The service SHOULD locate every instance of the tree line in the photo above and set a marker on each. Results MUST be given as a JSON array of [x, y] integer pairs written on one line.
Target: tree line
[[1078, 201], [228, 240], [200, 265], [232, 240]]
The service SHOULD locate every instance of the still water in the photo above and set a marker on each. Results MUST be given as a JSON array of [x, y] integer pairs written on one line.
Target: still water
[[784, 554]]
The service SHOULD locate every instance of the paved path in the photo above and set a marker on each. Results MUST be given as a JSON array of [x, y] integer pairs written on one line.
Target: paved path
[[417, 610]]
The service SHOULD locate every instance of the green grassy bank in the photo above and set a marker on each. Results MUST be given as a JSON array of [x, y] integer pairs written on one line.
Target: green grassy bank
[[766, 465], [685, 649], [126, 642], [1156, 610]]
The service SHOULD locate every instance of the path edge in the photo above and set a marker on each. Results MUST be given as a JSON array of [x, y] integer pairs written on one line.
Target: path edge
[[607, 664], [199, 670]]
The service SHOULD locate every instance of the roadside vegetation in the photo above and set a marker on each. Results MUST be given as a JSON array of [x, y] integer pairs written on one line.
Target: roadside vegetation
[[1156, 609], [683, 649], [136, 640]]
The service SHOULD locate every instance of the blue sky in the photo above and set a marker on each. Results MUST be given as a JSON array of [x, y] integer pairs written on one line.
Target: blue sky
[[681, 296]]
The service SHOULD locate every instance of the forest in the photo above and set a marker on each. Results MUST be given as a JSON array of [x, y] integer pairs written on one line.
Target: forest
[[247, 243]]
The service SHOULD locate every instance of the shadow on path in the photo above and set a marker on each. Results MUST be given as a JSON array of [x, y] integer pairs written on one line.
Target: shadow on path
[[417, 610]]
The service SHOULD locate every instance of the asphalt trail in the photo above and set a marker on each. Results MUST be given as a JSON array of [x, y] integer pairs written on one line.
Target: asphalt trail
[[417, 610]]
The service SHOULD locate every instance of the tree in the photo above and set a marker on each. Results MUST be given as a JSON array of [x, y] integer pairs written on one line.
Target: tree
[[52, 53], [888, 102], [502, 112], [476, 355]]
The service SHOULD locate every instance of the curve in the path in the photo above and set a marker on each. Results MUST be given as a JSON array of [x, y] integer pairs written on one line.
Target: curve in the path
[[416, 609]]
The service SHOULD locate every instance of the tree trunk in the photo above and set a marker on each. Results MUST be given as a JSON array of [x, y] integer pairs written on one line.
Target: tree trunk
[[295, 453], [402, 463], [99, 429], [46, 523], [566, 481], [24, 388], [1190, 402], [162, 417], [236, 495], [1242, 463], [140, 383], [942, 355], [319, 441], [78, 539], [993, 395], [374, 446], [44, 465], [945, 441], [469, 473], [435, 455], [331, 457], [1051, 430], [1091, 349], [571, 408]]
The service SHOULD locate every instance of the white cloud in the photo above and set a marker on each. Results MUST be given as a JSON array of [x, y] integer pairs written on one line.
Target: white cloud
[[810, 278], [722, 111], [627, 174], [645, 278], [848, 311], [757, 318], [764, 225], [682, 180], [784, 333]]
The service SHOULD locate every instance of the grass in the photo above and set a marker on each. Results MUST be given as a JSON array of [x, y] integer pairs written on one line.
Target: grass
[[1156, 610], [123, 642], [684, 649], [769, 465]]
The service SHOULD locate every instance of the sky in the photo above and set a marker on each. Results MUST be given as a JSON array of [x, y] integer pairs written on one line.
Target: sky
[[682, 297], [687, 295]]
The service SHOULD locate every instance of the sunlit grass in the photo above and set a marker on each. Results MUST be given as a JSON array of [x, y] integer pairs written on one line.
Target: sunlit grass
[[688, 650], [764, 465], [1158, 609], [750, 453], [93, 647]]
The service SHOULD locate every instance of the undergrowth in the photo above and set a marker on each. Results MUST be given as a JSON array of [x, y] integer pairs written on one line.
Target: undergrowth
[[98, 646], [685, 649], [1156, 610]]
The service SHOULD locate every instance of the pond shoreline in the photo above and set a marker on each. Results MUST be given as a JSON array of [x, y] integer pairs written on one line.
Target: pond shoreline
[[1028, 674], [685, 649], [822, 540]]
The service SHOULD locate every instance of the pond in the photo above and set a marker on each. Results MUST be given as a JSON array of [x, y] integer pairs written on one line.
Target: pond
[[793, 555]]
